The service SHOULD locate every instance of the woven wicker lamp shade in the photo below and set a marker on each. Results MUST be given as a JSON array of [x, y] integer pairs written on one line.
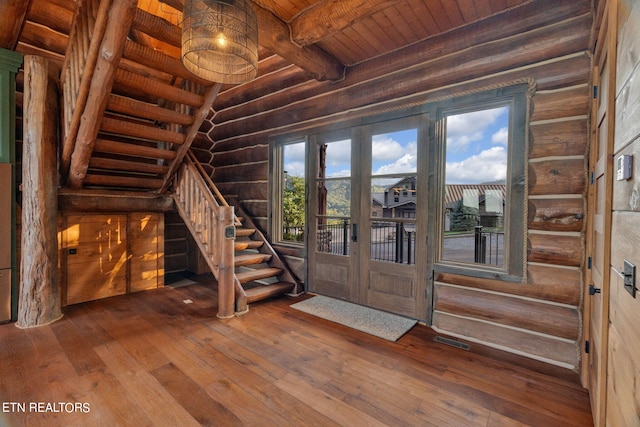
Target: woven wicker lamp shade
[[220, 40]]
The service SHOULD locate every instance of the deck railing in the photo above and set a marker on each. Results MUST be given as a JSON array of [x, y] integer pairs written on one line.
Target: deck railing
[[488, 246], [391, 240]]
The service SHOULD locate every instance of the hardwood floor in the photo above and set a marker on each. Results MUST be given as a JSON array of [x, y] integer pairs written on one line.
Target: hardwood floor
[[152, 359]]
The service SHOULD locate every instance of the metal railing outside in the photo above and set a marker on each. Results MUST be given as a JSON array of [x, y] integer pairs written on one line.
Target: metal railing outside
[[393, 241], [488, 246]]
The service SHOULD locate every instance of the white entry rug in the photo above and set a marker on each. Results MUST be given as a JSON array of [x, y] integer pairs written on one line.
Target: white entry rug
[[375, 322]]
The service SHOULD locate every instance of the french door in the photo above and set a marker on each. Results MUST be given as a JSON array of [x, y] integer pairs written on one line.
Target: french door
[[368, 222]]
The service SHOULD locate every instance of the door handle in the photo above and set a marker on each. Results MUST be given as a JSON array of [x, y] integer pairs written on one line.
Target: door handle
[[593, 290], [354, 232]]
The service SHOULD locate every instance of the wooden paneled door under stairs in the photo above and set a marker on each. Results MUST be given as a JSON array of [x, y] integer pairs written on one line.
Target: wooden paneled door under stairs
[[241, 259]]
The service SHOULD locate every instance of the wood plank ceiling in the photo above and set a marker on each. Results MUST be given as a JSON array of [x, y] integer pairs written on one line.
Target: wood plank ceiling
[[324, 38]]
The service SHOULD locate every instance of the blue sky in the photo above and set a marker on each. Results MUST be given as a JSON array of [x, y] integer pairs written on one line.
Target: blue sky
[[476, 150]]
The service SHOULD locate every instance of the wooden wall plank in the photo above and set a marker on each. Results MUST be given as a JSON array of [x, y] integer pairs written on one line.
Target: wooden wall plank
[[505, 54], [503, 309], [623, 384], [558, 138], [626, 194], [464, 60], [628, 43], [565, 176], [555, 249], [628, 98], [258, 171], [542, 347], [570, 102], [568, 70], [545, 282], [556, 214]]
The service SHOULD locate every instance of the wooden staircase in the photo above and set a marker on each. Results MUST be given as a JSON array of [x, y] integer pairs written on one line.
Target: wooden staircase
[[258, 272], [122, 69]]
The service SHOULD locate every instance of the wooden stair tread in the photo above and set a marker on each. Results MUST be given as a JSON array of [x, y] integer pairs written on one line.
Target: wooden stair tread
[[247, 244], [249, 259], [259, 293], [262, 273], [244, 232]]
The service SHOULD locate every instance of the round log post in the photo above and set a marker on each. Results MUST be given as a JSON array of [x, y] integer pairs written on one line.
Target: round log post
[[39, 301], [226, 234]]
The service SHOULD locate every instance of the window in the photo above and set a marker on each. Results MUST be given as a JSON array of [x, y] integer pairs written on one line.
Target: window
[[481, 190], [449, 174], [289, 167], [333, 184]]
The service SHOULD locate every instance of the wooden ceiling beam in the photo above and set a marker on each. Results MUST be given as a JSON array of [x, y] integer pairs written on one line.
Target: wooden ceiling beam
[[112, 201], [144, 110], [160, 61], [122, 181], [44, 38], [133, 83], [328, 17], [275, 35], [13, 14], [127, 166], [133, 150], [134, 130], [50, 15]]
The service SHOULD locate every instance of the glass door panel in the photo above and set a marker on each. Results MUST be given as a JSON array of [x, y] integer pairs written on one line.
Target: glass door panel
[[388, 274]]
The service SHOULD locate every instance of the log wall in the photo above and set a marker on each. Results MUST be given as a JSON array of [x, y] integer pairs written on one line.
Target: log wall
[[546, 41], [622, 399]]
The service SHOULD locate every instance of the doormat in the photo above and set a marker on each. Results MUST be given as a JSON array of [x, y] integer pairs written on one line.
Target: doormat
[[375, 322]]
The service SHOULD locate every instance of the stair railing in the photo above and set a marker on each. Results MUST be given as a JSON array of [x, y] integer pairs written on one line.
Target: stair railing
[[218, 197], [88, 28], [213, 229]]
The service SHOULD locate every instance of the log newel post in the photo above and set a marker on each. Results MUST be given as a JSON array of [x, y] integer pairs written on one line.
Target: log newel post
[[39, 300], [9, 65], [226, 237]]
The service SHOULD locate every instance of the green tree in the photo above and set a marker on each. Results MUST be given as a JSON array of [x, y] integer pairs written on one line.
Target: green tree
[[463, 218], [293, 207]]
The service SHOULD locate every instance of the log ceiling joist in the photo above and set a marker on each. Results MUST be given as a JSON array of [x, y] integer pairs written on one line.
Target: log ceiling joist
[[273, 34], [14, 12], [326, 18]]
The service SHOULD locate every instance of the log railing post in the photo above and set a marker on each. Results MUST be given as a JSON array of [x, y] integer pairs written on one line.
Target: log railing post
[[226, 236]]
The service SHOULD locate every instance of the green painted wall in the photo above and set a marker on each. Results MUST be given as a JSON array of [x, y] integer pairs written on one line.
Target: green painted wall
[[10, 63]]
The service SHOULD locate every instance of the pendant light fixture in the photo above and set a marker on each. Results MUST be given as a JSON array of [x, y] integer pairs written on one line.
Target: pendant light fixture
[[220, 40]]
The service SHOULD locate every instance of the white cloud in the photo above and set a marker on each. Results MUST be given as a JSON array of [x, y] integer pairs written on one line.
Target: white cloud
[[338, 154], [400, 158], [406, 163], [385, 148], [340, 173], [294, 152], [501, 137], [295, 168], [462, 129], [488, 166]]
